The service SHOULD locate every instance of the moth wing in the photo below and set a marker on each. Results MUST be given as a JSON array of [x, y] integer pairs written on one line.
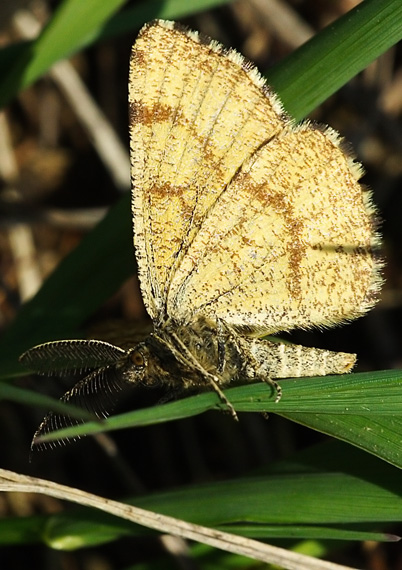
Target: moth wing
[[238, 215], [289, 243], [197, 112]]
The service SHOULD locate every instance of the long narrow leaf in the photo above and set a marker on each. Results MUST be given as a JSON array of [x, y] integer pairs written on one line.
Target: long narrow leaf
[[361, 409], [75, 25], [71, 23], [337, 54], [281, 503]]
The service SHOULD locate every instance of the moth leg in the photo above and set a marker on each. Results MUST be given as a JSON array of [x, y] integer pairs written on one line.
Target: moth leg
[[265, 378], [251, 366], [221, 347], [213, 382], [275, 387]]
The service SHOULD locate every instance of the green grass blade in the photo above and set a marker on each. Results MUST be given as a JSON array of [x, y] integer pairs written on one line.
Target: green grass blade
[[313, 499], [75, 25], [309, 498], [361, 409], [82, 281], [313, 72], [379, 435], [28, 397], [86, 528], [133, 17], [72, 22]]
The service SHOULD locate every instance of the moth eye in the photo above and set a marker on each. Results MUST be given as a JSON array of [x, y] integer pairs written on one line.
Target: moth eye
[[137, 358]]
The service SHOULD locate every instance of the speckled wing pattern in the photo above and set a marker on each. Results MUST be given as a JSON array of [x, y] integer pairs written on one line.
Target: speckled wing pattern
[[239, 215], [244, 224]]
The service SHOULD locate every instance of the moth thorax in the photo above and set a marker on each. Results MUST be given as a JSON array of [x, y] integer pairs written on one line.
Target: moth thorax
[[213, 347]]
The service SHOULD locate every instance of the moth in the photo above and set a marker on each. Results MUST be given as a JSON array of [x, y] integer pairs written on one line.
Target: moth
[[245, 225]]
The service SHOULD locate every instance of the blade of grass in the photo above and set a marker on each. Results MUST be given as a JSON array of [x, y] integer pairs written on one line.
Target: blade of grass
[[133, 17], [85, 528], [31, 398], [312, 499], [75, 25], [367, 31], [71, 23], [361, 409], [376, 434], [84, 279], [322, 481]]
